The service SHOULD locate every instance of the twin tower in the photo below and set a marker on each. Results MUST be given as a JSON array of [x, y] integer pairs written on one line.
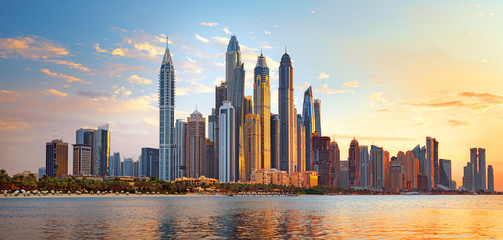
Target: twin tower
[[240, 127]]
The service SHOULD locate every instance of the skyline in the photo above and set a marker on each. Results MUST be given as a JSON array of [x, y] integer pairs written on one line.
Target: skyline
[[379, 94]]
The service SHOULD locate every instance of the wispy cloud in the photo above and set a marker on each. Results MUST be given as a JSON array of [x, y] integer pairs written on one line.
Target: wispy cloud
[[55, 93], [226, 30], [98, 49], [68, 63], [93, 95], [32, 47], [67, 78], [352, 84], [323, 76], [378, 97], [135, 79], [458, 123], [266, 32], [209, 24], [202, 39], [122, 91], [303, 86], [326, 90]]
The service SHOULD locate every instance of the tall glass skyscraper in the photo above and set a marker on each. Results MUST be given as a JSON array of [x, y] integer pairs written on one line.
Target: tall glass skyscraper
[[354, 164], [307, 114], [227, 164], [262, 101], [166, 117], [317, 116], [288, 117], [235, 77], [365, 166]]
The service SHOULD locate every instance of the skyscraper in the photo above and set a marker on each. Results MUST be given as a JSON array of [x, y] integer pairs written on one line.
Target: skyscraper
[[149, 162], [127, 167], [335, 157], [322, 161], [210, 160], [56, 158], [490, 178], [81, 159], [262, 101], [301, 144], [136, 168], [101, 151], [468, 177], [227, 168], [195, 148], [365, 166], [275, 144], [84, 136], [179, 154], [378, 171], [247, 105], [211, 125], [429, 164], [235, 77], [116, 165], [354, 164], [220, 97], [307, 114], [445, 177], [166, 117], [482, 169], [288, 117], [252, 144], [317, 116], [412, 169]]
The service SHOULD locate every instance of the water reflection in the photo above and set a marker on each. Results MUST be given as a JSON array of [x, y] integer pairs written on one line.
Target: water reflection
[[412, 217]]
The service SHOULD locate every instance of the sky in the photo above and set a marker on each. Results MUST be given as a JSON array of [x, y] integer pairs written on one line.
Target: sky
[[389, 73]]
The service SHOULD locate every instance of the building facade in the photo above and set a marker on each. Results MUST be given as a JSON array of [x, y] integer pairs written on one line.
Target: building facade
[[288, 117], [82, 160], [354, 164], [262, 101], [365, 167], [195, 146], [308, 119], [179, 154], [322, 161], [252, 145], [317, 116], [275, 141], [226, 158], [149, 162], [56, 158]]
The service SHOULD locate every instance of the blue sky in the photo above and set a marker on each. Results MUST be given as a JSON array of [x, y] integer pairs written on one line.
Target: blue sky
[[387, 72]]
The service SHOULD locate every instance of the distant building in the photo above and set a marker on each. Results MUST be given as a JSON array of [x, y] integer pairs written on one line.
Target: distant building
[[127, 167], [378, 171], [41, 172], [275, 128], [411, 169], [227, 163], [317, 116], [322, 161], [220, 97], [396, 177], [335, 157], [422, 182], [431, 161], [149, 162], [212, 165], [56, 160], [82, 159], [354, 164], [468, 177], [445, 177], [478, 160], [136, 169], [308, 119], [195, 148], [116, 165], [211, 125], [490, 178], [296, 179], [301, 144], [344, 175], [252, 145], [179, 154], [247, 105], [101, 151], [84, 136], [365, 167]]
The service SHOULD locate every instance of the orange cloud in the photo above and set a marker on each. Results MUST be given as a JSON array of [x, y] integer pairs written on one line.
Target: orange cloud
[[70, 64], [352, 84], [55, 93], [456, 123], [32, 47]]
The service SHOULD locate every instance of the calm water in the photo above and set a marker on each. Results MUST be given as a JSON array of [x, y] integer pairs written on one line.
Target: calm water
[[411, 217]]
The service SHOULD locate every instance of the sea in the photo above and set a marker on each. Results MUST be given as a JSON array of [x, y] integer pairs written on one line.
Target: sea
[[252, 217]]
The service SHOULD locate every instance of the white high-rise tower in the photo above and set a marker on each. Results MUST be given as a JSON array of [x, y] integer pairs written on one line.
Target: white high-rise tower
[[166, 117]]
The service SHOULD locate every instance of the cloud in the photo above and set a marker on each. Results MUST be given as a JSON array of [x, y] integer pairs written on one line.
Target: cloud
[[226, 30], [303, 86], [458, 123], [352, 84], [383, 110], [113, 69], [266, 46], [119, 52], [93, 95], [149, 49], [323, 76], [70, 64], [266, 32], [55, 93], [32, 47], [201, 88], [119, 29], [275, 25], [122, 91], [9, 96], [98, 49], [484, 98], [135, 79], [326, 90], [313, 11], [209, 24], [62, 76], [202, 39], [377, 96]]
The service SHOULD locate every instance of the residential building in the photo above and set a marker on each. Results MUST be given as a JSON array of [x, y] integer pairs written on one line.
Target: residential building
[[56, 158]]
